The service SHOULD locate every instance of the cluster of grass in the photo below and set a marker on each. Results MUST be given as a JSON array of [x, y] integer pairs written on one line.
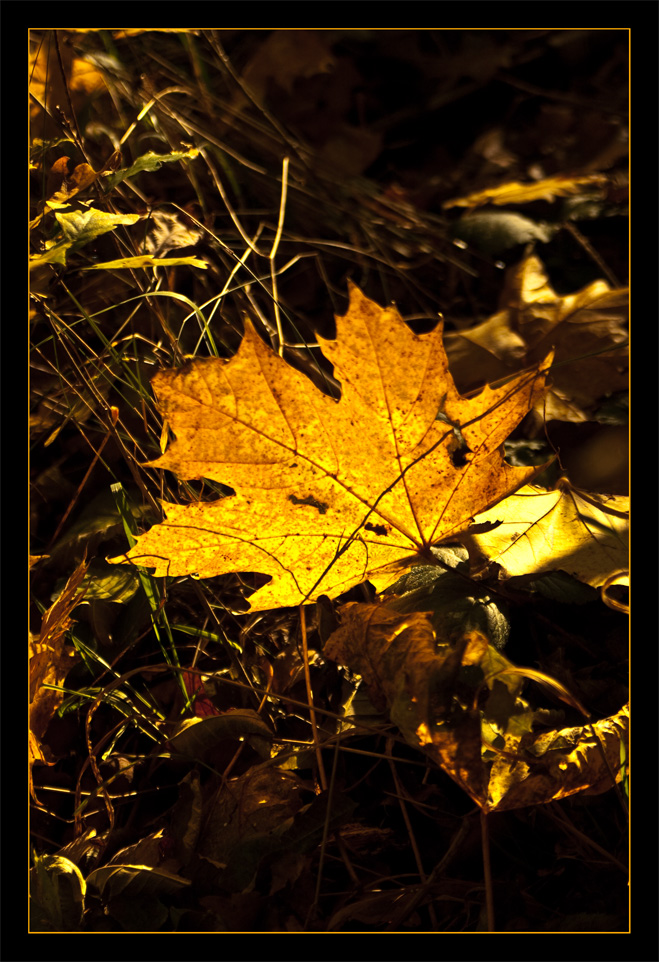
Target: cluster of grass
[[193, 166]]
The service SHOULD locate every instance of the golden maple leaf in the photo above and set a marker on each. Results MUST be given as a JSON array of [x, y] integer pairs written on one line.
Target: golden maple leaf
[[331, 493]]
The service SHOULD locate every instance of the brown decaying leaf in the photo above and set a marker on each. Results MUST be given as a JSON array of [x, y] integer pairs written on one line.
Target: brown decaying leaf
[[256, 803], [50, 662], [420, 681], [330, 494], [414, 680], [286, 57], [586, 329]]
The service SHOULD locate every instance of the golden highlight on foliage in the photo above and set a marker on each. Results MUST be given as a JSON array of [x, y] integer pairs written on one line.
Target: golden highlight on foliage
[[517, 193], [331, 493], [568, 530]]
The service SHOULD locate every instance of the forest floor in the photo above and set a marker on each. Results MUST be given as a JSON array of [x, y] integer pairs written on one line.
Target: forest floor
[[292, 163]]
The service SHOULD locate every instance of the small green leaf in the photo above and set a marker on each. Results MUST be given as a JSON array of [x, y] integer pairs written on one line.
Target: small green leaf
[[78, 228], [496, 231], [148, 162], [113, 881], [455, 604]]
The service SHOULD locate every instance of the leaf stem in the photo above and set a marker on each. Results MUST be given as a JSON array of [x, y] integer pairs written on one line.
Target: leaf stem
[[312, 713]]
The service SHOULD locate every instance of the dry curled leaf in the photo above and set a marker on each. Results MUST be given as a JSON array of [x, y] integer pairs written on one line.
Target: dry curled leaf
[[460, 704], [556, 764], [331, 493], [50, 661], [587, 330]]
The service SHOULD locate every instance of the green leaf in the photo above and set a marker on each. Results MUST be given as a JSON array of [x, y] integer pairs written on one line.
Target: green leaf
[[456, 605], [496, 231], [57, 892], [196, 736], [78, 228], [103, 583], [148, 162], [114, 881]]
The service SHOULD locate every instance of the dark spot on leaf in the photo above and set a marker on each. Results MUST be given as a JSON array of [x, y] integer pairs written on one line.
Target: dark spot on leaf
[[376, 528], [459, 457], [321, 508]]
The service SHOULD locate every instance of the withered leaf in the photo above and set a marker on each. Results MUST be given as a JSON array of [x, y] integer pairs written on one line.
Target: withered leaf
[[50, 661], [430, 689], [587, 330]]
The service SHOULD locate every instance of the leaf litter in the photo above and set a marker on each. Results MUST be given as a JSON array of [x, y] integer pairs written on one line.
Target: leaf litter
[[308, 475]]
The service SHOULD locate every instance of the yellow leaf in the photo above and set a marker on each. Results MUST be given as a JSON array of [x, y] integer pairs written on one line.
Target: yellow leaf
[[516, 193], [85, 78], [583, 534], [554, 765], [331, 493], [147, 260]]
